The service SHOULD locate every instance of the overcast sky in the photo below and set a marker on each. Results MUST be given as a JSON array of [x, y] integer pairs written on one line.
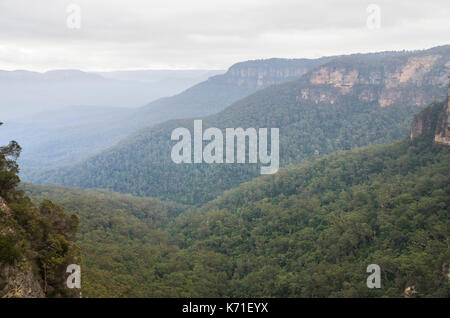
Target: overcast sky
[[207, 34]]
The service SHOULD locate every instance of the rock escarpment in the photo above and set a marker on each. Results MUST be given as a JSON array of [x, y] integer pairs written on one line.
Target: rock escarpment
[[442, 134], [16, 278], [433, 122], [35, 249], [414, 78], [263, 73]]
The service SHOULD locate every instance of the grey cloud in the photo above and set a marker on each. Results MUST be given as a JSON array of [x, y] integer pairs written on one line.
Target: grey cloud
[[205, 33]]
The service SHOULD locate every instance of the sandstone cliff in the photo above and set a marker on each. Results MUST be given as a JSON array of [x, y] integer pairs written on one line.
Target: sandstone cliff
[[442, 133], [34, 251], [433, 122], [262, 73], [414, 78], [16, 280]]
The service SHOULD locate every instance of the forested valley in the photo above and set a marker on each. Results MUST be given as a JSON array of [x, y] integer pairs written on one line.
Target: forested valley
[[308, 231], [364, 153], [348, 102]]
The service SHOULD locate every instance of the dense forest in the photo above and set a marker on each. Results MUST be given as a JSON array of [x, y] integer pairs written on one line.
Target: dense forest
[[124, 239], [66, 136], [316, 114], [308, 231], [35, 240]]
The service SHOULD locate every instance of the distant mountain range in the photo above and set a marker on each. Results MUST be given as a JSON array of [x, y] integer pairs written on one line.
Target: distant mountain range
[[346, 102], [70, 134], [23, 92], [309, 230], [185, 77]]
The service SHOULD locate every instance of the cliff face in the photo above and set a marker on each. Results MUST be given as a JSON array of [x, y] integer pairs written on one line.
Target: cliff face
[[442, 134], [211, 96], [262, 73], [433, 122], [16, 280], [34, 251], [415, 78], [424, 124]]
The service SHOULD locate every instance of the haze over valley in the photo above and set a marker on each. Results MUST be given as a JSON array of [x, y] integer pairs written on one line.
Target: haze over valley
[[235, 149]]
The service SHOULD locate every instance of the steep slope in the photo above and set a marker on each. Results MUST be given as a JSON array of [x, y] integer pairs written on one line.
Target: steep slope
[[124, 240], [346, 103], [308, 231], [434, 122], [74, 133], [442, 131], [35, 241], [311, 230], [217, 92]]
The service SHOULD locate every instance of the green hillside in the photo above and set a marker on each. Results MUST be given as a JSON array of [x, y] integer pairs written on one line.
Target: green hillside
[[122, 239], [311, 231], [308, 231], [220, 91], [35, 240], [67, 136], [349, 102]]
